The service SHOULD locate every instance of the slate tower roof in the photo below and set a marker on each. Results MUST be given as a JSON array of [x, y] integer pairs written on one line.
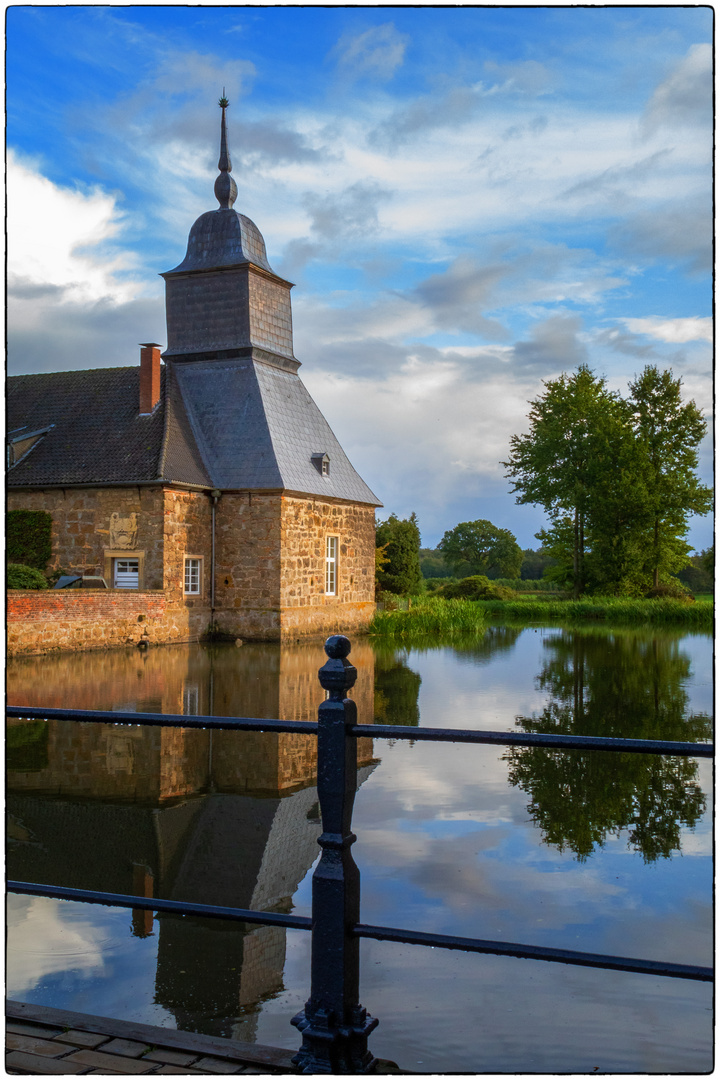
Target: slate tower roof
[[233, 413]]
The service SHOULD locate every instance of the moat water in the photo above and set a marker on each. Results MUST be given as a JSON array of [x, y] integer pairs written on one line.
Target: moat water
[[597, 852]]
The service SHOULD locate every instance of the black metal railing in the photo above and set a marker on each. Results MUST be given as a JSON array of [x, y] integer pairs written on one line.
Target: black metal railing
[[334, 1025]]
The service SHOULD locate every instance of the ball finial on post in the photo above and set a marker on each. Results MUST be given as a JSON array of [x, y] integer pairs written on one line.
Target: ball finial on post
[[338, 647]]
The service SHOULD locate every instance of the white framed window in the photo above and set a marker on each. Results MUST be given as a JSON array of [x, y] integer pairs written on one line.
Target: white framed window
[[126, 573], [331, 558], [193, 576]]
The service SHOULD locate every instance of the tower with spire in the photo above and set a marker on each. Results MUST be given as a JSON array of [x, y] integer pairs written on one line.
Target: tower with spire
[[224, 301], [212, 479]]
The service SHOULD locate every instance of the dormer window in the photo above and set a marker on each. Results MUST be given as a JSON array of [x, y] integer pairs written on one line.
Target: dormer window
[[321, 463], [21, 441]]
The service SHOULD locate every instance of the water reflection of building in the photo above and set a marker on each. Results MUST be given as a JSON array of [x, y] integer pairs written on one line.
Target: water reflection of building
[[159, 764], [227, 818]]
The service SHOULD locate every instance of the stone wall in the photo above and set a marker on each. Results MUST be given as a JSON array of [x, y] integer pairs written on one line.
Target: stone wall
[[82, 525], [187, 531], [305, 607], [247, 561], [269, 579]]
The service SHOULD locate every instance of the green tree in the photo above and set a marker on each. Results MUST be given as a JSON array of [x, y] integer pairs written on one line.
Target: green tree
[[708, 560], [698, 575], [535, 563], [400, 539], [479, 547], [432, 564], [669, 433], [557, 463], [616, 478]]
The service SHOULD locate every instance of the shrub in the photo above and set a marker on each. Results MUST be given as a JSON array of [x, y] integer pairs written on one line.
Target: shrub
[[433, 584], [29, 538], [25, 577], [669, 591], [528, 584], [475, 587]]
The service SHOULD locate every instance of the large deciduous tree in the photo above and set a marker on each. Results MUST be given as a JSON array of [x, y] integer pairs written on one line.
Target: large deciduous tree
[[616, 478], [669, 433], [400, 541], [479, 547], [559, 462]]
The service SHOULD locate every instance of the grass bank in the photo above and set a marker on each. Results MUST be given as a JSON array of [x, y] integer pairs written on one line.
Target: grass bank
[[430, 615], [437, 616]]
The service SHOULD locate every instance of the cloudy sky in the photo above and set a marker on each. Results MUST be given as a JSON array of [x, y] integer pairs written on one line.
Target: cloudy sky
[[469, 200]]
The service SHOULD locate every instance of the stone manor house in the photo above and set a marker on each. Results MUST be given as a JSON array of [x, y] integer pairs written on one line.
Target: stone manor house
[[208, 489]]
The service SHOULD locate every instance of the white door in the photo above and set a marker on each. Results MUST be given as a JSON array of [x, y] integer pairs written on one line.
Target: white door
[[127, 573]]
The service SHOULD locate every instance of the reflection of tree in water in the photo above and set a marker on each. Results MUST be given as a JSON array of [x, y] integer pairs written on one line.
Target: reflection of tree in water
[[614, 686], [475, 649], [397, 686], [396, 689]]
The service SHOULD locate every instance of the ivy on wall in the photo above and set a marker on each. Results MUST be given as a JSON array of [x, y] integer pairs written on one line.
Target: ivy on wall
[[29, 537]]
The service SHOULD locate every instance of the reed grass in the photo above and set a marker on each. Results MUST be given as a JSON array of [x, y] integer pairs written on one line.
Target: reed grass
[[616, 610], [430, 615]]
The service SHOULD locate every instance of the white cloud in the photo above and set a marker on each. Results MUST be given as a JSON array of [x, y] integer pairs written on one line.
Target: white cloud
[[63, 237], [65, 261], [685, 96], [674, 331], [376, 52]]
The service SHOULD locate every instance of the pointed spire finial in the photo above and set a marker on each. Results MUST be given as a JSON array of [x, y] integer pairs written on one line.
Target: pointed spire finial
[[225, 186]]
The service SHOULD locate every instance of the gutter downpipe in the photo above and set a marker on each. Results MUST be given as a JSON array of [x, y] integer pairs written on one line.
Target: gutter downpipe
[[215, 494]]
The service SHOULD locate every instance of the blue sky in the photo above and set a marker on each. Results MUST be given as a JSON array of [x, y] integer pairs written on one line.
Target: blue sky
[[469, 200]]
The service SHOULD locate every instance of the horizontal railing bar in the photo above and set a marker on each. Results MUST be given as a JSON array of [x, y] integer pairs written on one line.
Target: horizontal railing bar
[[224, 723], [149, 903], [522, 738], [371, 731], [535, 952], [380, 933]]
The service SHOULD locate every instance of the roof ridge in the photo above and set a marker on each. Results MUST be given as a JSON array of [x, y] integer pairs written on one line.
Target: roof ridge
[[77, 371]]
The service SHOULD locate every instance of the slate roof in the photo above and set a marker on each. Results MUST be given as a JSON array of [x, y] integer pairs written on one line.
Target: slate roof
[[257, 428], [223, 238], [98, 435], [226, 424]]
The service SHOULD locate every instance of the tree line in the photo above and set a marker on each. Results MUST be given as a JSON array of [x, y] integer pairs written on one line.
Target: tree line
[[617, 479]]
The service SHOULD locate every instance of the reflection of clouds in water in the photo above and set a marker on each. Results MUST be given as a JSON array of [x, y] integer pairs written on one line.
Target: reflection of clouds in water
[[46, 936], [487, 692], [432, 780]]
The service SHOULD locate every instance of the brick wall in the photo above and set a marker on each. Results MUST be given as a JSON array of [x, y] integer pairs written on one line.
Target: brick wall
[[69, 619]]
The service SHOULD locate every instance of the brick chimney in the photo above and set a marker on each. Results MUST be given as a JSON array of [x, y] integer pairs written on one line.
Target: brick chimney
[[149, 377]]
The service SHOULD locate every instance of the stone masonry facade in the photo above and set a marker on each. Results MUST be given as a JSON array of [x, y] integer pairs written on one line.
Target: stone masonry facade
[[269, 574]]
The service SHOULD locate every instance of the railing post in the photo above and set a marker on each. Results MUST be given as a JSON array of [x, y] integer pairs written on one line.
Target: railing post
[[334, 1025]]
